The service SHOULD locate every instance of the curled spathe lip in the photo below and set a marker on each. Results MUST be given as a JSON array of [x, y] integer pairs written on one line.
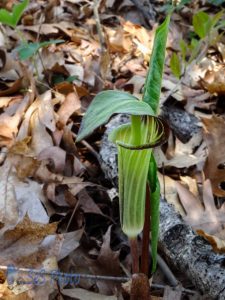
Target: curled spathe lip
[[159, 137]]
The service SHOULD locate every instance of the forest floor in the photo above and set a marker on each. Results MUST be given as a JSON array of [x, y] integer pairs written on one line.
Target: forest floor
[[57, 208]]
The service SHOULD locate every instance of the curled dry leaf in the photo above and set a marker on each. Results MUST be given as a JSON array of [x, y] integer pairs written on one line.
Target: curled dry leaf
[[46, 110], [9, 213], [9, 124], [214, 81], [215, 165], [55, 154], [70, 105]]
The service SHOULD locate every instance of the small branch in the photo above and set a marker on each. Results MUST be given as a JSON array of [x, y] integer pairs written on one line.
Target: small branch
[[146, 233], [98, 25], [89, 147], [167, 272], [134, 255]]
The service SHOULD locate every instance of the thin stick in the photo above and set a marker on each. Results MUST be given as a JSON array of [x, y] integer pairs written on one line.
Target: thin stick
[[98, 25], [57, 274], [146, 233], [89, 147], [134, 255]]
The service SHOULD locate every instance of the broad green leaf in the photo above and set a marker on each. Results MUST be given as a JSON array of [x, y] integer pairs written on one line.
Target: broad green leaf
[[202, 24], [106, 104], [175, 65], [27, 50], [12, 18], [133, 168], [154, 78], [155, 201]]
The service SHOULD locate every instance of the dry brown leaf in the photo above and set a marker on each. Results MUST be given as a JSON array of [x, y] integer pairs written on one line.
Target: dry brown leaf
[[41, 139], [168, 186], [70, 105], [82, 294], [214, 81], [12, 88], [184, 155], [217, 244], [107, 263], [9, 213], [87, 203], [46, 110], [205, 217], [215, 165], [56, 155], [9, 124]]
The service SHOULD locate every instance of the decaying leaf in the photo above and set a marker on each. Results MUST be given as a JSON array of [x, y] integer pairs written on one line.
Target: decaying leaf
[[82, 294], [203, 215], [215, 165]]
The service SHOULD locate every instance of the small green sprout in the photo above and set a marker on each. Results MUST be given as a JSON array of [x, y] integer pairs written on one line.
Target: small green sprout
[[12, 18], [28, 50]]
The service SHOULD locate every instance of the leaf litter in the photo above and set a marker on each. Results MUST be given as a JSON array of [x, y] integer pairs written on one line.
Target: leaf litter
[[56, 211]]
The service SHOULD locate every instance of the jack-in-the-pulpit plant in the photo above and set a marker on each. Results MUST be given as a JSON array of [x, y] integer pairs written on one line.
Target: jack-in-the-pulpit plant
[[135, 140]]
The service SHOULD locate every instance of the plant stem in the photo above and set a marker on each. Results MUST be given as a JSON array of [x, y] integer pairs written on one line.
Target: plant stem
[[134, 255], [146, 233], [140, 289]]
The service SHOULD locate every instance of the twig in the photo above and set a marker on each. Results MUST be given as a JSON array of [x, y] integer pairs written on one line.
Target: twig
[[89, 147], [56, 274], [166, 270], [98, 25], [71, 218]]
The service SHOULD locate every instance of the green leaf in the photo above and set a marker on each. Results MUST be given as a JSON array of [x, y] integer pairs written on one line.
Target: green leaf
[[202, 24], [27, 50], [194, 47], [154, 78], [215, 19], [106, 104], [183, 48], [175, 65], [12, 18], [155, 201]]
